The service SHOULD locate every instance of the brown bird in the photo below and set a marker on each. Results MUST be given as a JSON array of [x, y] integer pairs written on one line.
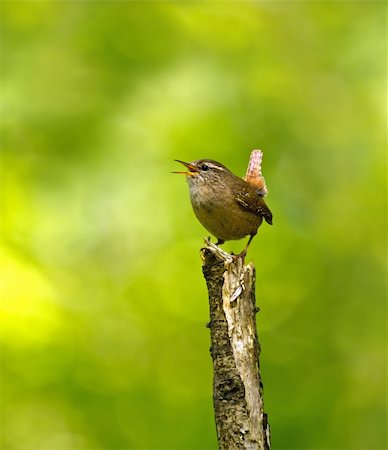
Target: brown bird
[[229, 207]]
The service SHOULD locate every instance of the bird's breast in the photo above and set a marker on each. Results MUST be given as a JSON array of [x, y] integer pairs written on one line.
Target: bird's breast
[[221, 215]]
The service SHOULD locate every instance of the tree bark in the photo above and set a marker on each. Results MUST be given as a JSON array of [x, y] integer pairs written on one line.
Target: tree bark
[[237, 388]]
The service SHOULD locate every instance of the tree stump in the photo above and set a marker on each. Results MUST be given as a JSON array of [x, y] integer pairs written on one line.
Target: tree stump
[[237, 387]]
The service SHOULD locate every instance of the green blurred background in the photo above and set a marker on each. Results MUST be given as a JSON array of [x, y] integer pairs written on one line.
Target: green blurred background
[[103, 314]]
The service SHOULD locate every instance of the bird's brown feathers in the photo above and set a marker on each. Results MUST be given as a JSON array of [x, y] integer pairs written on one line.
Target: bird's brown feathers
[[250, 200]]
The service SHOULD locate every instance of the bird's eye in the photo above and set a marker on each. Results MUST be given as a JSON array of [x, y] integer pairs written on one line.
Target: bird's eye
[[204, 167]]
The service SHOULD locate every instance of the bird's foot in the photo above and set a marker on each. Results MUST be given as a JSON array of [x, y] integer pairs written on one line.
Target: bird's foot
[[241, 255]]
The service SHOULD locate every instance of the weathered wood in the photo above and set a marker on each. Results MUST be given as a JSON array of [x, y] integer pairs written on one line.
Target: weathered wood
[[237, 387]]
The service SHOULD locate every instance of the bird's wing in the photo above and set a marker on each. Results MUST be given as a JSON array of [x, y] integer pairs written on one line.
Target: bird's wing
[[255, 204]]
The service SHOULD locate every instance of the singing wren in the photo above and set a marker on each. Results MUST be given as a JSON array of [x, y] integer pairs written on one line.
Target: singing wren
[[229, 207]]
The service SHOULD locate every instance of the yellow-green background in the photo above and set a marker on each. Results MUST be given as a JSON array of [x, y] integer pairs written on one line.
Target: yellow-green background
[[103, 337]]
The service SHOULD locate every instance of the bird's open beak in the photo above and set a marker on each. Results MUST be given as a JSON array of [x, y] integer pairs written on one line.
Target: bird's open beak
[[192, 169]]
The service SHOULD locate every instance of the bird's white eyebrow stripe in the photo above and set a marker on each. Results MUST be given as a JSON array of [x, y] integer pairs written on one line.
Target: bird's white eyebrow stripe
[[214, 166]]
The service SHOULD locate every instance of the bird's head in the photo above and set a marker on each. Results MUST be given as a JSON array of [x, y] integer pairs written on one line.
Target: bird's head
[[204, 171]]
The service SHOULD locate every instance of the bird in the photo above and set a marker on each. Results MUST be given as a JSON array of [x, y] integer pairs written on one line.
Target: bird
[[229, 207]]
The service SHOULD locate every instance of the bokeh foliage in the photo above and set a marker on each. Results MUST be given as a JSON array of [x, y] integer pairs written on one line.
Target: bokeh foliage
[[103, 312]]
